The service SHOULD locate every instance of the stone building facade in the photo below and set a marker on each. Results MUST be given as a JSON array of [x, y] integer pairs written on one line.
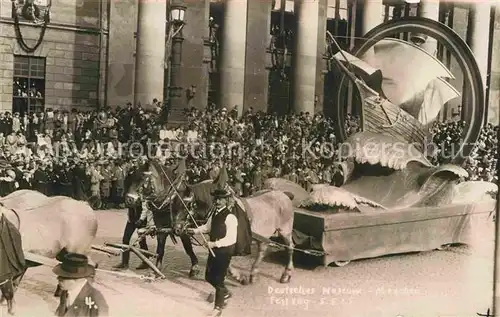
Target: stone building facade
[[72, 57], [231, 52]]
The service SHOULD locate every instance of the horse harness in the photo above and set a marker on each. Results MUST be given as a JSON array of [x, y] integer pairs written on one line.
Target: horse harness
[[169, 199], [168, 196]]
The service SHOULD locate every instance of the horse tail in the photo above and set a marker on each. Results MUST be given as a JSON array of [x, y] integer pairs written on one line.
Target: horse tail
[[289, 195]]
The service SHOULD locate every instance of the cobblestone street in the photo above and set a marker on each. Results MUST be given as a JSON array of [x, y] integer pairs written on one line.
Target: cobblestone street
[[456, 282]]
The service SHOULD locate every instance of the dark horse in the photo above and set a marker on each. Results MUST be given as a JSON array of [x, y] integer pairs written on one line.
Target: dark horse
[[164, 203]]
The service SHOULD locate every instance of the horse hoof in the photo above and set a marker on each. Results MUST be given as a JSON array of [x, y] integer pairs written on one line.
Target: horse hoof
[[211, 298], [10, 309], [253, 278], [285, 278], [244, 280], [195, 270]]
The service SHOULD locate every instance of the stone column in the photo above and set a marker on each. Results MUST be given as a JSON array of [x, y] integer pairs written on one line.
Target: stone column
[[320, 60], [233, 54], [478, 34], [429, 9], [373, 14], [194, 67], [176, 91], [150, 51], [257, 41], [494, 100], [305, 55], [121, 52]]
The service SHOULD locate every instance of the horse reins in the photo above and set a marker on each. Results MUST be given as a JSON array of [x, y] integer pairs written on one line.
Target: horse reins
[[185, 206], [166, 197]]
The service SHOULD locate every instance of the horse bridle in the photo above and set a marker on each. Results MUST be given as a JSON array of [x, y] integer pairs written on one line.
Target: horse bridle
[[176, 192], [169, 197]]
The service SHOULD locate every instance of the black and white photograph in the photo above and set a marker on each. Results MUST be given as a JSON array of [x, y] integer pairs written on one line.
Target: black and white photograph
[[249, 158]]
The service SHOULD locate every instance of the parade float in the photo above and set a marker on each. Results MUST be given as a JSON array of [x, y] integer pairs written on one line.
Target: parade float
[[393, 200]]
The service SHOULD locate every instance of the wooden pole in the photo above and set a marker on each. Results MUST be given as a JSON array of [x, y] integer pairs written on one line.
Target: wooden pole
[[147, 261], [125, 247], [106, 251]]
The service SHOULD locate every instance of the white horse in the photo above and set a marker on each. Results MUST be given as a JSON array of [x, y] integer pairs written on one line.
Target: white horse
[[49, 227]]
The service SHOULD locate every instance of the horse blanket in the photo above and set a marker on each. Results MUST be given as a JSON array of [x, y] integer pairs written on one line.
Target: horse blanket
[[12, 262]]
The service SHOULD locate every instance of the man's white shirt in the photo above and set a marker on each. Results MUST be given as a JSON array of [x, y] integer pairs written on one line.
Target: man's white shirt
[[231, 230]]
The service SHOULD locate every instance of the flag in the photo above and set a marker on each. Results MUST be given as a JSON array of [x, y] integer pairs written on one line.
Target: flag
[[406, 68], [180, 169], [438, 92], [221, 181]]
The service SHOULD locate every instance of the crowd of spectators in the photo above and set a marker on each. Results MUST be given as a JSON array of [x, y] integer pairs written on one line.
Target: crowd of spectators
[[88, 154], [481, 164]]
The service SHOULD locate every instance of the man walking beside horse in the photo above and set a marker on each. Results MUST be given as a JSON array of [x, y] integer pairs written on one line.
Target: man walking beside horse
[[222, 227], [225, 241]]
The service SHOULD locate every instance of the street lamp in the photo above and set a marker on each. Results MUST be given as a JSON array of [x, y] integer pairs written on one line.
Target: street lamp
[[177, 13], [175, 24]]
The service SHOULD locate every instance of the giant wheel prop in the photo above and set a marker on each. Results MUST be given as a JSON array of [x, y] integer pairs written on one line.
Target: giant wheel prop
[[473, 87]]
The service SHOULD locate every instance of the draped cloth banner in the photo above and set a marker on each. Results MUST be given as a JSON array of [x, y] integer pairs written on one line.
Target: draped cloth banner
[[438, 92], [12, 262]]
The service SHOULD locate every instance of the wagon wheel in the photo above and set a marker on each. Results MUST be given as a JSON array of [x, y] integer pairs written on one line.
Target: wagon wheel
[[341, 263], [473, 85]]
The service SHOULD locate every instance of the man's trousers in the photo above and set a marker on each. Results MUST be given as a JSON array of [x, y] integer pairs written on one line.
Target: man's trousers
[[216, 272], [127, 235]]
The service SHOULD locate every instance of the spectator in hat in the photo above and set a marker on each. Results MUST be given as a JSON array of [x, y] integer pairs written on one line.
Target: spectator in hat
[[118, 183], [95, 181], [80, 182], [105, 186], [8, 123], [257, 179], [9, 183], [41, 179], [78, 296], [49, 122], [16, 123], [65, 179], [12, 141]]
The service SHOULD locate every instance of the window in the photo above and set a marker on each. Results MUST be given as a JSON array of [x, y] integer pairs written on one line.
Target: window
[[29, 84], [343, 9], [289, 6], [337, 22], [42, 3]]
